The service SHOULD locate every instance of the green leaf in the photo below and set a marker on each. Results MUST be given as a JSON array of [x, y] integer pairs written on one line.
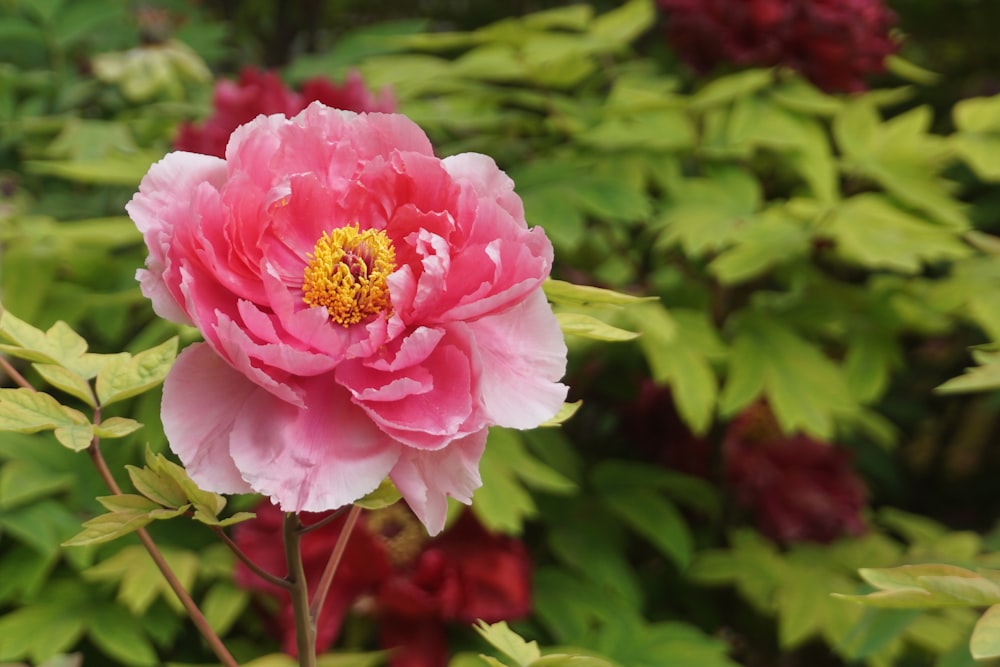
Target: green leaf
[[27, 411], [805, 389], [127, 502], [46, 628], [505, 640], [161, 489], [563, 660], [119, 634], [107, 527], [207, 504], [562, 292], [564, 415], [985, 642], [77, 437], [125, 377], [223, 604], [68, 381], [502, 503], [772, 238], [585, 326], [870, 231], [385, 495], [679, 347], [140, 581], [656, 519], [24, 480], [116, 427], [60, 345], [730, 87], [43, 525], [977, 114], [624, 24]]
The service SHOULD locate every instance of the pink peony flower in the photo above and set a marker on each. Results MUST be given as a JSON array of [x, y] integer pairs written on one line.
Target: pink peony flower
[[368, 310], [833, 43], [413, 586], [264, 93]]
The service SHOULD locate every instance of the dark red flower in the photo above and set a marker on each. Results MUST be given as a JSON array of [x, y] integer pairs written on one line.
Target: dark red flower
[[413, 585], [257, 92], [798, 488], [834, 43]]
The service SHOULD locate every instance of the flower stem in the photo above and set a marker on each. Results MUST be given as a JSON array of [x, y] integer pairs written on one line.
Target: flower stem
[[18, 379], [331, 566], [254, 567], [305, 626], [214, 642]]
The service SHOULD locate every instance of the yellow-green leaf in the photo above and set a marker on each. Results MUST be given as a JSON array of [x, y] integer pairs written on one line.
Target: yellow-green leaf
[[125, 377]]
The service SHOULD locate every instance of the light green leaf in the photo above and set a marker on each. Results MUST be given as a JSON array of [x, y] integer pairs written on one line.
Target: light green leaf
[[222, 605], [624, 24], [129, 376], [207, 504], [68, 381], [385, 495], [562, 292], [564, 414], [978, 114], [585, 326], [116, 427], [77, 437], [978, 378], [909, 576], [505, 640], [25, 480], [161, 489], [563, 660], [730, 87], [975, 590], [772, 238], [127, 502], [51, 626], [870, 231], [60, 345], [26, 411], [107, 527], [140, 581], [985, 642]]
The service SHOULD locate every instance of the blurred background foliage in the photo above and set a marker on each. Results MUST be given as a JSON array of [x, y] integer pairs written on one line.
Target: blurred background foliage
[[821, 262]]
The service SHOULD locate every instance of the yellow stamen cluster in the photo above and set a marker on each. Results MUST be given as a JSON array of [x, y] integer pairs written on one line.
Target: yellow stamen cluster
[[403, 536], [348, 272]]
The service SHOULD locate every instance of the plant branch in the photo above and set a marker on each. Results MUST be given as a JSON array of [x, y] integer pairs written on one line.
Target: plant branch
[[305, 626], [254, 567], [214, 642], [18, 379], [331, 566], [322, 522]]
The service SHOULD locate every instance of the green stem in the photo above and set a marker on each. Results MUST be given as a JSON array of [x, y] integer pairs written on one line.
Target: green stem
[[305, 627], [331, 566], [254, 567]]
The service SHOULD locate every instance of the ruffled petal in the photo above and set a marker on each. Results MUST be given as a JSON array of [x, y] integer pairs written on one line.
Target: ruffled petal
[[316, 458], [523, 356], [426, 479], [202, 397]]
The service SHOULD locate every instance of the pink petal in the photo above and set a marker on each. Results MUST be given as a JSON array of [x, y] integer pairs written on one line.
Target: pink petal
[[523, 356], [426, 479], [311, 459], [202, 397]]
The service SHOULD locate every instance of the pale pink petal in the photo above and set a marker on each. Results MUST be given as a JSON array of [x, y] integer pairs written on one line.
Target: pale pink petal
[[311, 459], [487, 180], [202, 397], [523, 356], [426, 479]]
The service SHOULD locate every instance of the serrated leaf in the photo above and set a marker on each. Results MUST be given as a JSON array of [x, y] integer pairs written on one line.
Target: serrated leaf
[[656, 519], [116, 427], [770, 239], [140, 581], [60, 345], [51, 625], [205, 502], [586, 326], [68, 381], [125, 377], [508, 642]]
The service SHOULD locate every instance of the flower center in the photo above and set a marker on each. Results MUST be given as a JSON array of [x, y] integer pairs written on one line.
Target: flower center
[[348, 272], [399, 531]]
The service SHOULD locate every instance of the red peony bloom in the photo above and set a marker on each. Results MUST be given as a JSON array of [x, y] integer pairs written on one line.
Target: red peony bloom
[[834, 43], [413, 585], [798, 488], [264, 93]]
